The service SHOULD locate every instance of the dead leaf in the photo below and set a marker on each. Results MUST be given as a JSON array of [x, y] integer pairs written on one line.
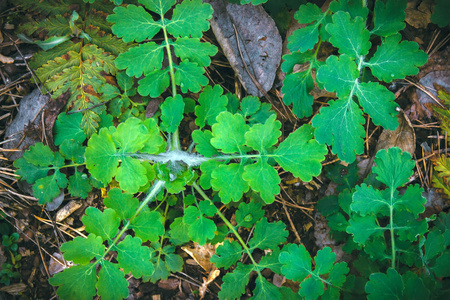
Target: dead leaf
[[14, 289], [418, 16], [202, 255], [6, 59], [258, 42], [206, 281], [67, 210], [402, 137]]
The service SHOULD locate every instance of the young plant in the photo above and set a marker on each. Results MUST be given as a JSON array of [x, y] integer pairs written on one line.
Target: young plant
[[385, 226], [344, 25], [237, 148]]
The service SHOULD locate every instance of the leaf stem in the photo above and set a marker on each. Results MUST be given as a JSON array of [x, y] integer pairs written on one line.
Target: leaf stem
[[157, 186], [391, 221], [231, 227]]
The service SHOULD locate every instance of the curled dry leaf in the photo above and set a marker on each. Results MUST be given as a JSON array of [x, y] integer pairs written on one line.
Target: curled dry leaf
[[67, 210], [6, 59], [402, 137]]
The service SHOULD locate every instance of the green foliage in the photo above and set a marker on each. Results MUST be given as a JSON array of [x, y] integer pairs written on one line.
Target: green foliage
[[81, 281], [80, 68], [9, 269], [235, 155], [340, 124], [188, 22], [367, 213], [297, 266], [439, 15]]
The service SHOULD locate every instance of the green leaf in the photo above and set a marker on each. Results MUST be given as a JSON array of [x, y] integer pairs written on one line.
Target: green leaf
[[300, 154], [48, 188], [379, 103], [82, 250], [263, 136], [393, 167], [172, 113], [207, 168], [362, 228], [155, 143], [124, 204], [179, 232], [158, 6], [355, 8], [263, 179], [234, 283], [104, 224], [389, 17], [440, 16], [296, 88], [265, 290], [227, 179], [201, 229], [68, 127], [268, 235], [296, 262], [228, 133], [100, 158], [227, 254], [395, 60], [248, 214], [111, 282], [203, 141], [79, 185], [441, 266], [434, 245], [131, 175], [305, 38], [190, 18], [189, 76], [149, 54], [133, 23], [154, 83], [194, 51], [350, 36], [212, 102], [339, 74], [339, 125], [73, 150], [148, 226], [134, 258], [77, 282], [385, 286]]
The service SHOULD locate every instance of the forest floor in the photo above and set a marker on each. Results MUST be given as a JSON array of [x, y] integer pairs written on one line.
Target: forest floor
[[38, 242]]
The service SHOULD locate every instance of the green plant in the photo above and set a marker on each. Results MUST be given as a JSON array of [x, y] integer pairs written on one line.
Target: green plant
[[344, 25], [9, 268], [237, 147], [385, 227]]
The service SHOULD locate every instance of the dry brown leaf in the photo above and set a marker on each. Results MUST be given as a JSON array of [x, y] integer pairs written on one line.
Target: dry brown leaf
[[402, 137]]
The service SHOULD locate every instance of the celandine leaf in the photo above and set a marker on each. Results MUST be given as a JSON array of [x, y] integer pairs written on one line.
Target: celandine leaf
[[134, 258], [111, 282], [82, 250], [300, 154], [77, 282]]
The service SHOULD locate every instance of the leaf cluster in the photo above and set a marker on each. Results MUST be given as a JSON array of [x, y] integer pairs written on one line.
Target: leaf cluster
[[352, 74], [79, 56], [385, 227]]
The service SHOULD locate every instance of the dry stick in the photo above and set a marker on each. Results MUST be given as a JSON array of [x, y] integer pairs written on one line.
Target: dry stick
[[290, 222], [251, 75], [426, 91]]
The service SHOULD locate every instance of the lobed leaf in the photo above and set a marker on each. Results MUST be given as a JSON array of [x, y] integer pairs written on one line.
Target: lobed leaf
[[300, 154], [77, 282], [104, 224], [395, 60], [389, 17], [150, 55], [212, 103], [268, 235], [111, 282], [385, 286], [172, 113], [134, 258], [227, 179], [82, 250], [190, 18], [349, 35]]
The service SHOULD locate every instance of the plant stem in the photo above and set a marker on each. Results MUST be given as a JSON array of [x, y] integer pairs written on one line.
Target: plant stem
[[391, 221], [175, 138], [157, 186], [231, 227]]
